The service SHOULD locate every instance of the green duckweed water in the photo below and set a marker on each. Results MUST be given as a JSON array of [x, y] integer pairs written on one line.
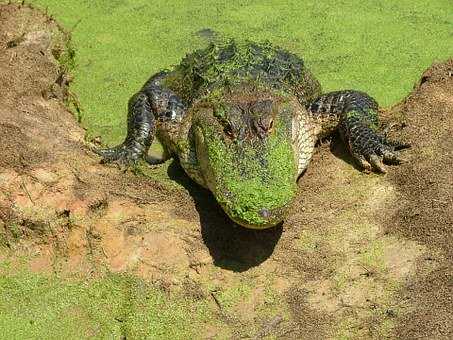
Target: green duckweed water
[[380, 47]]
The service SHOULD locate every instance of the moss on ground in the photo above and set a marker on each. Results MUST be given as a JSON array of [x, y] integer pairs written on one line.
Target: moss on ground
[[34, 306]]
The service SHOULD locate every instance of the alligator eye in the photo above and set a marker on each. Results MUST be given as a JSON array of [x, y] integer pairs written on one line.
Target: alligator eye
[[228, 130], [265, 125], [271, 125]]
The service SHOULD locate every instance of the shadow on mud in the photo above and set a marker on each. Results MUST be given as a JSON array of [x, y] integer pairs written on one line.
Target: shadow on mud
[[232, 247], [338, 149]]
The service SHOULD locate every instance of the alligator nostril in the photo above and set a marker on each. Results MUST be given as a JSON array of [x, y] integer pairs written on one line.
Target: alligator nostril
[[265, 213]]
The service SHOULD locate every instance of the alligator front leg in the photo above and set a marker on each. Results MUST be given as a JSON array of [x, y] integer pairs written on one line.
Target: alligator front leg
[[152, 104], [140, 133], [357, 114]]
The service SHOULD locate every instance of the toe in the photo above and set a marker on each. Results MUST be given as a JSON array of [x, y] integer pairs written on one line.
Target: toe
[[392, 157], [363, 163], [376, 163], [395, 145]]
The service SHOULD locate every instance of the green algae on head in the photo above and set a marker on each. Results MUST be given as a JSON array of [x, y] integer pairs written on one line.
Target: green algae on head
[[247, 157]]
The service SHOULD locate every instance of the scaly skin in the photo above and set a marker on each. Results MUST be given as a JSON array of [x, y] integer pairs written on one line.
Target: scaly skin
[[243, 119]]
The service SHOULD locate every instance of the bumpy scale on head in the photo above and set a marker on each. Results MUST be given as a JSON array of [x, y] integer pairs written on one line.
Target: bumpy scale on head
[[227, 63]]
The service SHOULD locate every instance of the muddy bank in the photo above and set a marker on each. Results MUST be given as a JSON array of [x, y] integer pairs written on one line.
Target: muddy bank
[[424, 210]]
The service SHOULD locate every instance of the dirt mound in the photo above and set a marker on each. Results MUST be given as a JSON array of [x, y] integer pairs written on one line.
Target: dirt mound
[[52, 187], [425, 206], [361, 256]]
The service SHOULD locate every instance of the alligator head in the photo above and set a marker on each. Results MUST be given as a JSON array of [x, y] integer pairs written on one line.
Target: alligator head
[[243, 140]]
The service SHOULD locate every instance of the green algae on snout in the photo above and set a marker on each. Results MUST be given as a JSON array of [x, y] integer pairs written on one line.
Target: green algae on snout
[[250, 177]]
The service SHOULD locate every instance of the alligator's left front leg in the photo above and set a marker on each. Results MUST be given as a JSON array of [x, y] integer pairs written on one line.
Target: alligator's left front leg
[[357, 114]]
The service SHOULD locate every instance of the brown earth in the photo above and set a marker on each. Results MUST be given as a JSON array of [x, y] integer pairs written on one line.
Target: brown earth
[[361, 256]]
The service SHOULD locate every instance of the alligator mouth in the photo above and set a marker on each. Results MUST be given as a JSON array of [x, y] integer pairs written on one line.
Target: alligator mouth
[[263, 218]]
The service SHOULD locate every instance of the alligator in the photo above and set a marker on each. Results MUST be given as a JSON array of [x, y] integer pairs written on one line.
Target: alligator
[[243, 119]]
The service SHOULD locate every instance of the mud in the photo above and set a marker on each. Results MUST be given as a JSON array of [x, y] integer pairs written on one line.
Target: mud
[[361, 256], [424, 212]]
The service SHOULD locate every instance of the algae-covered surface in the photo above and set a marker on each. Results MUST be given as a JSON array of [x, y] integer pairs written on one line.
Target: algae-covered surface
[[89, 251], [375, 46]]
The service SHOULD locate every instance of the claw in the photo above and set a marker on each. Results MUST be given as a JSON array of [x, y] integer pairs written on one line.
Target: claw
[[388, 128], [152, 160], [392, 157], [376, 163], [363, 163], [108, 155], [395, 145], [118, 154]]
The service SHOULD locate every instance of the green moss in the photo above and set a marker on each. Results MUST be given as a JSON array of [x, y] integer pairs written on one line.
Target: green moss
[[233, 295], [369, 118], [353, 114], [373, 257], [309, 242], [67, 58], [160, 173], [38, 307]]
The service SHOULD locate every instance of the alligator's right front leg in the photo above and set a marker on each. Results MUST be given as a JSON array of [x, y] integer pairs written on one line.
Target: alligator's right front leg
[[152, 103], [140, 133], [357, 114]]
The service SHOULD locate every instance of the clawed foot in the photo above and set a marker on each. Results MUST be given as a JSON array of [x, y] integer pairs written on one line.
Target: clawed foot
[[120, 155], [375, 151]]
